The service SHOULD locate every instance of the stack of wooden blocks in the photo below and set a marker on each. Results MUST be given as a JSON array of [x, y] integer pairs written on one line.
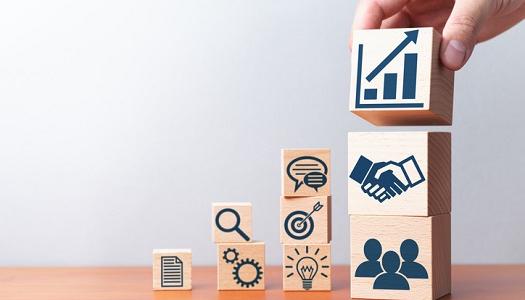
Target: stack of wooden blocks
[[240, 261], [305, 218], [399, 190]]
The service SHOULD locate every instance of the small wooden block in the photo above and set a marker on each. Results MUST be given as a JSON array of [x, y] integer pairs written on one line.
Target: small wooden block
[[231, 222], [172, 269], [316, 229], [240, 266], [397, 78], [305, 172], [307, 267], [413, 168], [396, 257]]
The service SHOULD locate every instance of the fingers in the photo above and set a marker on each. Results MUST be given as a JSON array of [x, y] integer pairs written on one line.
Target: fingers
[[370, 14], [461, 30]]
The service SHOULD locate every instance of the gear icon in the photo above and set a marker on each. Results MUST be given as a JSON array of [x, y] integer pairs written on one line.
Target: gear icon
[[247, 263], [230, 256]]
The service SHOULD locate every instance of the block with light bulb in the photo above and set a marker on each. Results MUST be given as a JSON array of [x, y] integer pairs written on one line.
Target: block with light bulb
[[307, 267]]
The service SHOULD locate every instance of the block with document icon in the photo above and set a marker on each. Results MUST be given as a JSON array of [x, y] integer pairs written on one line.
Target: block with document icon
[[172, 269]]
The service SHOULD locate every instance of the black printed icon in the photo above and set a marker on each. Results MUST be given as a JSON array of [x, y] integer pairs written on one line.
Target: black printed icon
[[236, 225], [246, 272], [299, 224], [306, 266], [309, 170], [171, 271]]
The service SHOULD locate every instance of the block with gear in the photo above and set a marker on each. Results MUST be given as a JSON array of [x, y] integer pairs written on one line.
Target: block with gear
[[240, 266]]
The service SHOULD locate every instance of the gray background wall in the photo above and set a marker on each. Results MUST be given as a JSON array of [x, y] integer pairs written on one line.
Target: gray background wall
[[121, 121]]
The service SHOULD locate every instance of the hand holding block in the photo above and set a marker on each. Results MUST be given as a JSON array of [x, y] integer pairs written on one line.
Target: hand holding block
[[399, 173], [305, 172], [306, 220], [397, 78], [396, 257], [172, 269], [231, 222], [240, 266], [307, 267]]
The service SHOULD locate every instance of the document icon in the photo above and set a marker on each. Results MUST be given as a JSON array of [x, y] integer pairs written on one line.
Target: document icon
[[171, 271]]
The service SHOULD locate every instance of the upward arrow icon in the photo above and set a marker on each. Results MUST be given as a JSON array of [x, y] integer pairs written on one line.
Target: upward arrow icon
[[411, 36]]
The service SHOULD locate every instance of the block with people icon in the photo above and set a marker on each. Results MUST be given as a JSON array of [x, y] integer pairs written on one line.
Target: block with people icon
[[400, 257]]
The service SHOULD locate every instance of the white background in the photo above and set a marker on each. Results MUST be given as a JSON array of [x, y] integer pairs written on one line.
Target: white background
[[121, 121]]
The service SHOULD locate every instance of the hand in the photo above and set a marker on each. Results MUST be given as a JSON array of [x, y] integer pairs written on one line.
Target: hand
[[385, 181], [463, 23]]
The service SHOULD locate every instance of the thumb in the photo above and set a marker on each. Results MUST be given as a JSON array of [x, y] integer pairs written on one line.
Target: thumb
[[461, 31]]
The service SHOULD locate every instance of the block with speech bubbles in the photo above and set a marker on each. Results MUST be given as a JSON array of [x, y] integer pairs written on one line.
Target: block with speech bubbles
[[305, 172]]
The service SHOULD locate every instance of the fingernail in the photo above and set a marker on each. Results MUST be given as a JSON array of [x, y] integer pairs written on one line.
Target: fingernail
[[455, 54]]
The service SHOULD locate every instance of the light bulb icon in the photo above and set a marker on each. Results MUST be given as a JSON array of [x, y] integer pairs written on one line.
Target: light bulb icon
[[307, 269]]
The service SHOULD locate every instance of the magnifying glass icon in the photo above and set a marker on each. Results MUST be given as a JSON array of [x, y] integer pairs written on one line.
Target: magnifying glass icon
[[235, 226]]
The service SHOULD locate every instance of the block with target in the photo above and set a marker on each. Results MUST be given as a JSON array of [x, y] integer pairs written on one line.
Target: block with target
[[307, 267], [306, 220], [240, 266], [305, 172]]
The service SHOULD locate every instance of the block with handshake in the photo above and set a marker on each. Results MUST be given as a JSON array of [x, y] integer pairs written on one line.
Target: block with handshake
[[399, 173], [385, 180]]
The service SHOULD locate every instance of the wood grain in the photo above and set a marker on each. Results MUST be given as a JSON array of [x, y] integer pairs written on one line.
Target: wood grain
[[469, 282]]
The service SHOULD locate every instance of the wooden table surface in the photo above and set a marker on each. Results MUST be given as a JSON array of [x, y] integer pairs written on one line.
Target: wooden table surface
[[468, 282]]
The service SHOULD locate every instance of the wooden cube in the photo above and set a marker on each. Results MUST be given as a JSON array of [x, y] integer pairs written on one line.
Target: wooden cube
[[305, 172], [240, 266], [399, 173], [306, 220], [395, 257], [397, 78], [307, 267], [172, 269], [231, 222]]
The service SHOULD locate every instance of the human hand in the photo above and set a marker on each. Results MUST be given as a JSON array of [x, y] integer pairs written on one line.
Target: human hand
[[463, 23]]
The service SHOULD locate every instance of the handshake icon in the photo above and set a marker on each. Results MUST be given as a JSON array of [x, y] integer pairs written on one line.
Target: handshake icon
[[385, 180]]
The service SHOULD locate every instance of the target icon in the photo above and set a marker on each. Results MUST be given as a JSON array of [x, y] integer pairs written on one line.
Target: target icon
[[299, 224]]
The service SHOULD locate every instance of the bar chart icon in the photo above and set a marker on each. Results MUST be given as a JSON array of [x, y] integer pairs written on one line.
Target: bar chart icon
[[369, 91], [172, 270]]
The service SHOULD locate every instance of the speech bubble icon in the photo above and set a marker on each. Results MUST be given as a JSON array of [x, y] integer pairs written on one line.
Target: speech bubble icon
[[309, 170]]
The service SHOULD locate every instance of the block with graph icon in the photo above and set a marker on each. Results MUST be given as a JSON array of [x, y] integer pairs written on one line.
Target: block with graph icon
[[306, 220], [307, 267], [399, 173], [305, 172], [172, 269], [397, 78], [398, 257], [240, 266], [231, 222]]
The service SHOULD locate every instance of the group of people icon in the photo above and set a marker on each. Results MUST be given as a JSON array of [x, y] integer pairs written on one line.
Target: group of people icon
[[391, 273]]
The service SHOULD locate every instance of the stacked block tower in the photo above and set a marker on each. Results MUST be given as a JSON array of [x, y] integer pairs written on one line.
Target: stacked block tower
[[240, 261], [305, 219], [399, 189]]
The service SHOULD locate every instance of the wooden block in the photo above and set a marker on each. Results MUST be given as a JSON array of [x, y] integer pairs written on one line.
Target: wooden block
[[413, 168], [231, 222], [240, 266], [307, 267], [395, 257], [172, 269], [305, 172], [296, 228], [397, 78]]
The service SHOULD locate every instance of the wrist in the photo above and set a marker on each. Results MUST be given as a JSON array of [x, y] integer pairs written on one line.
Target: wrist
[[361, 169], [412, 172]]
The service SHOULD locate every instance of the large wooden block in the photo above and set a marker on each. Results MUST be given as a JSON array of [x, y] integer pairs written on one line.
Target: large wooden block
[[395, 257], [172, 269], [397, 78], [231, 222], [399, 173], [306, 220], [305, 172], [240, 266], [307, 267]]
